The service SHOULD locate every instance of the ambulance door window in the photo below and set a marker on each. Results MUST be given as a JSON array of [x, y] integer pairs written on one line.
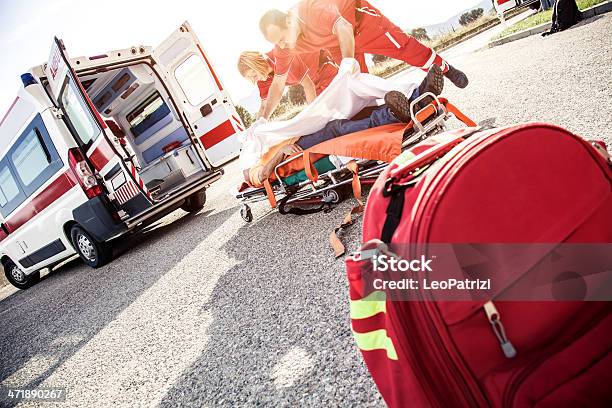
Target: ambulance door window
[[194, 80], [78, 115], [34, 157], [10, 194]]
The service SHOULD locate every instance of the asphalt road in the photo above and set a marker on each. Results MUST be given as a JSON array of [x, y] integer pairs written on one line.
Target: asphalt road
[[205, 310]]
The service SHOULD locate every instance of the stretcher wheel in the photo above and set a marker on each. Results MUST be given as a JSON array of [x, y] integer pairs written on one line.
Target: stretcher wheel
[[246, 214], [332, 196]]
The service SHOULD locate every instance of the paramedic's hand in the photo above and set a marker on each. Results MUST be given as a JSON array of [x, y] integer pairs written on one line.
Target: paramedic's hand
[[290, 149], [350, 66]]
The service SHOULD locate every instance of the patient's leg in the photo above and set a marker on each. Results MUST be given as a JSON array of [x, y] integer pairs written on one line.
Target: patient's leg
[[340, 127]]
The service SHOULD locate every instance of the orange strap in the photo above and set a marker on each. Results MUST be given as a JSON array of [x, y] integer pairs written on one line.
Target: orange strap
[[270, 193], [309, 169], [430, 110], [460, 115], [348, 220]]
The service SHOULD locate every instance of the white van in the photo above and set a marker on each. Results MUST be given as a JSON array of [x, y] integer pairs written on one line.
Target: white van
[[94, 147]]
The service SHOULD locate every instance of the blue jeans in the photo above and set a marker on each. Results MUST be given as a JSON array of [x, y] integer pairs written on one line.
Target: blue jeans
[[340, 127]]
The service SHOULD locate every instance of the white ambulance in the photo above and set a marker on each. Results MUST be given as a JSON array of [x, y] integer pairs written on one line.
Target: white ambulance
[[95, 147]]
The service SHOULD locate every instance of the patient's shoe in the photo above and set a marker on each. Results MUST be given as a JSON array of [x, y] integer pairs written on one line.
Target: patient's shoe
[[400, 104], [433, 82], [457, 77]]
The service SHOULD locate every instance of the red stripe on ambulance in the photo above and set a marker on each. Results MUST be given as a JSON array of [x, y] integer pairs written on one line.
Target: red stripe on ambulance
[[101, 155], [218, 134], [52, 192], [9, 110]]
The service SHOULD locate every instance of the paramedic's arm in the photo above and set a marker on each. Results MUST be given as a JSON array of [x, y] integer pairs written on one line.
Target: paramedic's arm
[[262, 108], [346, 37], [268, 169], [309, 89], [274, 95]]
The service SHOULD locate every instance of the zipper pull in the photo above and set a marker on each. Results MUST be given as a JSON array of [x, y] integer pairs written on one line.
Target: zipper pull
[[498, 329]]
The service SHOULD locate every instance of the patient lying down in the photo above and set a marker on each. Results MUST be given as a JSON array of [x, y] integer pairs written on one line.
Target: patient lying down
[[395, 110]]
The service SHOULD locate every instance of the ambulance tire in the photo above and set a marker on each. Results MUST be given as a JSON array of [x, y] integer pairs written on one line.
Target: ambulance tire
[[93, 252], [195, 202], [17, 278]]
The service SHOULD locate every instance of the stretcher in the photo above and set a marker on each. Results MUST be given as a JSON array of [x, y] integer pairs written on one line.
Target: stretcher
[[307, 182]]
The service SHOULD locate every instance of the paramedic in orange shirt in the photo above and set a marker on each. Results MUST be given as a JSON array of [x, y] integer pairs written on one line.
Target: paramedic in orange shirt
[[325, 65], [321, 67], [353, 25], [259, 69]]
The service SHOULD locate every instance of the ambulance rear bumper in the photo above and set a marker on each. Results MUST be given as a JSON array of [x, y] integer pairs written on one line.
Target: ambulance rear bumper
[[95, 217], [159, 210]]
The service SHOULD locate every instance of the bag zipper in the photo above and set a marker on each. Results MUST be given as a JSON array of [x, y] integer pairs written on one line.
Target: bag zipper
[[498, 328]]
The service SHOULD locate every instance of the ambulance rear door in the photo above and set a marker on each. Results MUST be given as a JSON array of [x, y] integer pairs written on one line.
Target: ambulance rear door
[[206, 105], [119, 176]]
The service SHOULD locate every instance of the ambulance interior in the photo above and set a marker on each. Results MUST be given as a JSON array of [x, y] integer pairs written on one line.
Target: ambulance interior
[[138, 110]]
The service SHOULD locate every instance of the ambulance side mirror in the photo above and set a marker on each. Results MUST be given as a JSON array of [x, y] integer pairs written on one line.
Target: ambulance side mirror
[[4, 228]]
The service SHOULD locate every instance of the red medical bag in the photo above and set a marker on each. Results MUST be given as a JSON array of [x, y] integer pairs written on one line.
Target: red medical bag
[[530, 183]]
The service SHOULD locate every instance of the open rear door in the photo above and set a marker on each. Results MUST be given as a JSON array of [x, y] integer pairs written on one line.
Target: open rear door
[[204, 102], [87, 126]]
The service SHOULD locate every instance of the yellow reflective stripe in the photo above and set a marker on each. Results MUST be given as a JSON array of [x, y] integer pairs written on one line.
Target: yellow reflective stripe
[[404, 158], [369, 306], [376, 340]]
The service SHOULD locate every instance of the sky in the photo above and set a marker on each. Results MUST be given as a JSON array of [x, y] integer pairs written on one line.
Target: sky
[[224, 28]]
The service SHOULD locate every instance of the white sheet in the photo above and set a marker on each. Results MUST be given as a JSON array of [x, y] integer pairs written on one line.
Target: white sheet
[[348, 94]]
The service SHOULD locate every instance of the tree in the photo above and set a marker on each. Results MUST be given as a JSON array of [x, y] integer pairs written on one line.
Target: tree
[[245, 115], [470, 16], [378, 59], [296, 95], [420, 34], [477, 13]]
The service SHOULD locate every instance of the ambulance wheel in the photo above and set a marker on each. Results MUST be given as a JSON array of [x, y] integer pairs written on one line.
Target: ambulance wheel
[[246, 214], [91, 251], [195, 202], [17, 277]]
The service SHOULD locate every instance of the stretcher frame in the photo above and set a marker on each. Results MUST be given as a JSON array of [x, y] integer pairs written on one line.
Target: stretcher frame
[[326, 191]]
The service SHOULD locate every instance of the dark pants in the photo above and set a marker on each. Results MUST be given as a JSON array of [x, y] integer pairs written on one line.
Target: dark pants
[[340, 127]]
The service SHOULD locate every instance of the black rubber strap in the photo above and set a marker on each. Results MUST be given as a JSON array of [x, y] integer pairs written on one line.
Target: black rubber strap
[[394, 215]]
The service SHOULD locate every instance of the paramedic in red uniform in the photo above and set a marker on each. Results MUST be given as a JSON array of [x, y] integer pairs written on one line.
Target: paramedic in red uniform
[[321, 67], [259, 69], [353, 25]]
